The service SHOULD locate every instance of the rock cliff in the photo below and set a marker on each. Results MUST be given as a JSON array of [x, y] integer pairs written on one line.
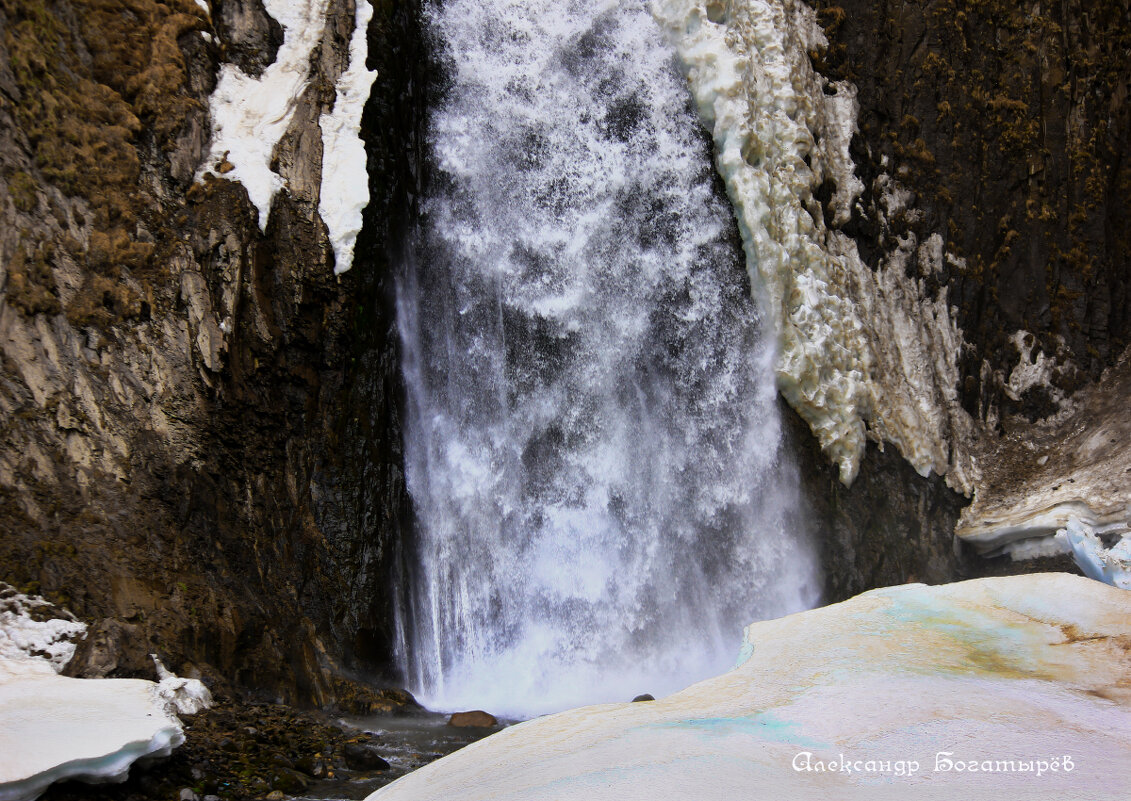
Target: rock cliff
[[199, 446], [1003, 127]]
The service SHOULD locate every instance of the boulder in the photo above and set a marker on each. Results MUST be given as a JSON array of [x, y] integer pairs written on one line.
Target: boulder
[[362, 756], [475, 719]]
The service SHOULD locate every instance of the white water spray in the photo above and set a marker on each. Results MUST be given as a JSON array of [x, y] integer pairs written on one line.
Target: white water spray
[[593, 443]]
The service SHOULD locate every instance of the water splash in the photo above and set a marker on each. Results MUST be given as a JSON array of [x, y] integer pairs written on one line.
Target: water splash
[[592, 443]]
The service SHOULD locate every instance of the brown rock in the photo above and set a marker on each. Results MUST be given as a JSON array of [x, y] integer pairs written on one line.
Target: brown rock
[[111, 648], [475, 719]]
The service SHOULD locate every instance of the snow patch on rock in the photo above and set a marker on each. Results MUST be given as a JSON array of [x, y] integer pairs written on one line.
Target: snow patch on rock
[[251, 114], [863, 353], [26, 633], [181, 696], [345, 181]]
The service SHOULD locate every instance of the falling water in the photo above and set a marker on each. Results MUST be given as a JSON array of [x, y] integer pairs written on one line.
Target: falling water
[[593, 445]]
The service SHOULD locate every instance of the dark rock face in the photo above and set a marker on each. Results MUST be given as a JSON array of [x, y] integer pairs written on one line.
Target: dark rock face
[[1010, 123], [199, 423], [892, 526], [251, 36]]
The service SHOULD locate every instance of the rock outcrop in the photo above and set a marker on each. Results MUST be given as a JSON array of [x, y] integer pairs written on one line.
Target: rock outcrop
[[199, 423]]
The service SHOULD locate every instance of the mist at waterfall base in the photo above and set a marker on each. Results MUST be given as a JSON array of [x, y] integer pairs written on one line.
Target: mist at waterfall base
[[593, 446]]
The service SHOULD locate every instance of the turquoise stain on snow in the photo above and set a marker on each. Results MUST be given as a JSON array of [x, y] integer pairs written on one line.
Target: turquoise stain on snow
[[993, 645], [763, 725], [744, 654]]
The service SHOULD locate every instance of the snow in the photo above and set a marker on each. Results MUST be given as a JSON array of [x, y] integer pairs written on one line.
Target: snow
[[345, 181], [250, 115], [54, 728], [863, 353], [1022, 669]]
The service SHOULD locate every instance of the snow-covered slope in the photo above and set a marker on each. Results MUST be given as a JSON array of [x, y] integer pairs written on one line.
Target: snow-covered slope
[[1012, 687]]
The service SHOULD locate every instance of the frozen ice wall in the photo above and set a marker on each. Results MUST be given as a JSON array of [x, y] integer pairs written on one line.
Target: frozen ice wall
[[864, 353]]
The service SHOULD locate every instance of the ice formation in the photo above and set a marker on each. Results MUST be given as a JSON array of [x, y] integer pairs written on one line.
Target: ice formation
[[863, 353], [54, 728], [1109, 565], [251, 114], [1072, 465], [345, 181], [967, 690]]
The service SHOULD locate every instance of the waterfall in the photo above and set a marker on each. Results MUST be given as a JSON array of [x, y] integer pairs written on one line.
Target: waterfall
[[593, 446]]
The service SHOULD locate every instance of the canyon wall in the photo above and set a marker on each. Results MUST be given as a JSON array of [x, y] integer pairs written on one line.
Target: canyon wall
[[200, 436]]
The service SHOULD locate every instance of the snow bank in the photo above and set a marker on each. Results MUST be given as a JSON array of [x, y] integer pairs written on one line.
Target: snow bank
[[345, 180], [863, 353], [54, 728], [901, 689]]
